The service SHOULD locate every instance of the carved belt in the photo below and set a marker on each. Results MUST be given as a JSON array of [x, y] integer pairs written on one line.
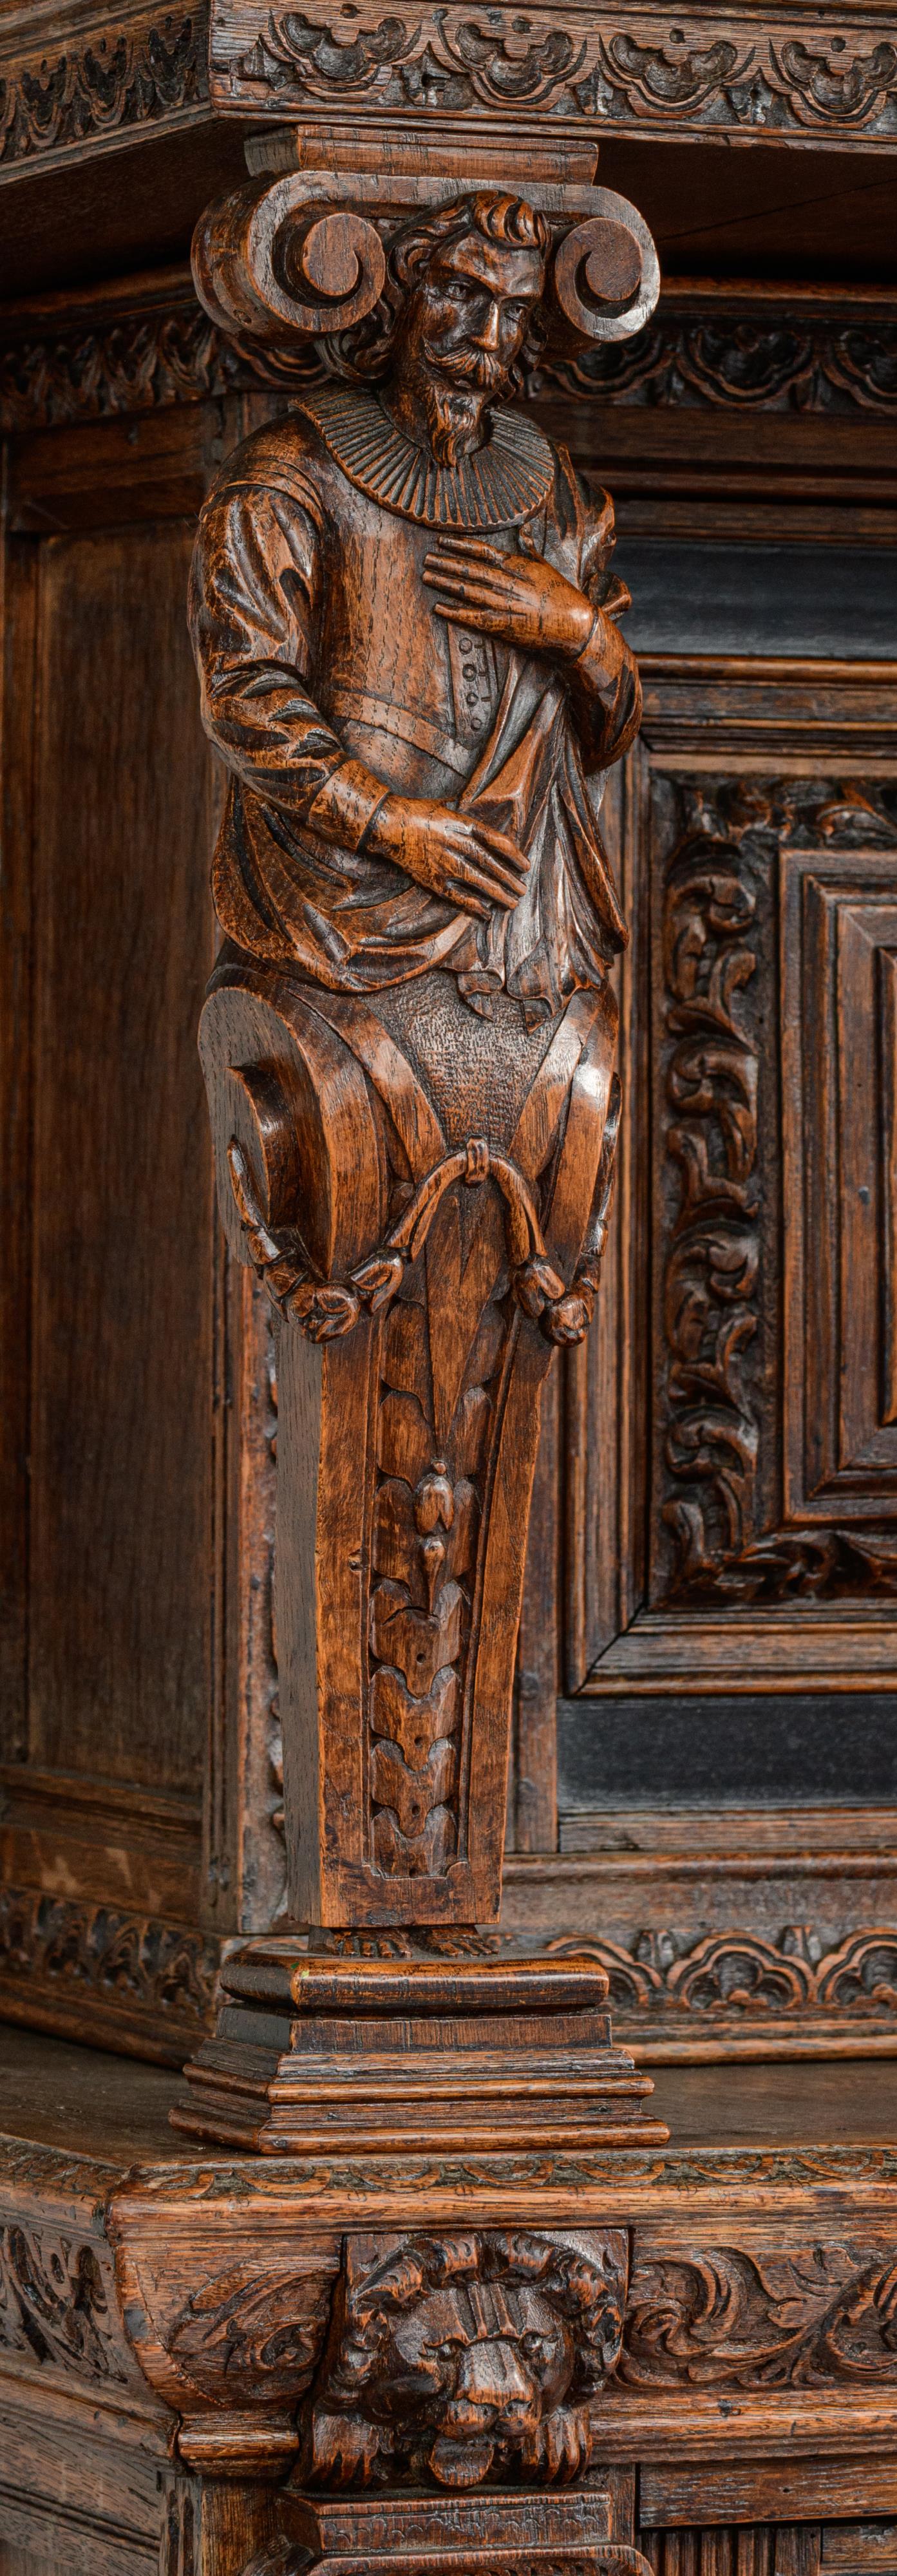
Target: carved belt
[[383, 717]]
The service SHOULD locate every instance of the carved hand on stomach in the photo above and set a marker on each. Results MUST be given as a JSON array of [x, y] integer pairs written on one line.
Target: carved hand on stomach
[[465, 862]]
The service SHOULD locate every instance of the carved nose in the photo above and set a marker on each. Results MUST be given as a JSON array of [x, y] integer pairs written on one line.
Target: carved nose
[[494, 2379], [490, 328]]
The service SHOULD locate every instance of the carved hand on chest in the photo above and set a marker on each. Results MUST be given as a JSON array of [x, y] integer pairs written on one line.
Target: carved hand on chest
[[521, 598]]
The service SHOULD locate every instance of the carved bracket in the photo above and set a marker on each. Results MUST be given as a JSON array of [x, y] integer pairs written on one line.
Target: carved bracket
[[321, 1128]]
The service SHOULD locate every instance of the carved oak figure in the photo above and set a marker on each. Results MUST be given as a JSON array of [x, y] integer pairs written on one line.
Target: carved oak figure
[[401, 609]]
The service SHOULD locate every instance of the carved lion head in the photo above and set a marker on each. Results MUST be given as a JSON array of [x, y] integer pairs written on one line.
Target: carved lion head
[[463, 2356]]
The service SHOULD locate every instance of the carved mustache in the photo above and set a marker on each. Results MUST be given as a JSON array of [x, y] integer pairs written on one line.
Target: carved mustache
[[469, 366]]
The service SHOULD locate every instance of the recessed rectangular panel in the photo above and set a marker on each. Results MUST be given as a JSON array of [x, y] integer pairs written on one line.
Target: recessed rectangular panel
[[738, 1404], [121, 1562], [839, 928]]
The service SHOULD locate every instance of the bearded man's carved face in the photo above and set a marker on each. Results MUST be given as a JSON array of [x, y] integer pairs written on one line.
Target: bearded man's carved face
[[472, 310], [464, 324]]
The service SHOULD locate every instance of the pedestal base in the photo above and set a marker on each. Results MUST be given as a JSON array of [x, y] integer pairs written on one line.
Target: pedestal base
[[314, 2051], [427, 2535]]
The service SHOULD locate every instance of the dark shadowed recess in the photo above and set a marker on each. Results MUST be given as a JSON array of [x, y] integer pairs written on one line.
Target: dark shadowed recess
[[715, 210], [838, 602], [713, 1751]]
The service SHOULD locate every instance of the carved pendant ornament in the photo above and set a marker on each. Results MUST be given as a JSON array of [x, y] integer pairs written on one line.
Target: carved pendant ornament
[[405, 625]]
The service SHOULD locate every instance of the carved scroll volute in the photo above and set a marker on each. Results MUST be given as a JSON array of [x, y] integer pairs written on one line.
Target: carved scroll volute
[[273, 260], [606, 274], [408, 1419]]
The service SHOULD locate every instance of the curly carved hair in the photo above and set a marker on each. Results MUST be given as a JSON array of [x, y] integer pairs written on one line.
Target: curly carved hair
[[363, 352]]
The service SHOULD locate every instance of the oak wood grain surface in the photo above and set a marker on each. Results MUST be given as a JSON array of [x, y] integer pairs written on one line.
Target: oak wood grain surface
[[95, 2104]]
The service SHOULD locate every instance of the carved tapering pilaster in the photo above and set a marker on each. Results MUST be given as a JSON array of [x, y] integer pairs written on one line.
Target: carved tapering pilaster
[[405, 624]]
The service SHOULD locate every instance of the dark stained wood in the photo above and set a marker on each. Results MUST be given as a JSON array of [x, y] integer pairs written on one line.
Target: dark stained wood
[[19, 677], [438, 599], [532, 1824], [740, 2282], [119, 1639], [337, 1210], [263, 1501], [85, 2100]]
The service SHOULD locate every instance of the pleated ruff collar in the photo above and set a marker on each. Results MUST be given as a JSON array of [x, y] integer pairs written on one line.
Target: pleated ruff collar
[[502, 483]]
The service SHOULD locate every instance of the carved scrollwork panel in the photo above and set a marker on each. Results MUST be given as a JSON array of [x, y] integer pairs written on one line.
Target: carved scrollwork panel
[[729, 2317], [821, 362], [150, 71], [710, 79], [667, 1979], [721, 1531], [68, 1949], [800, 362], [254, 2334], [57, 2305]]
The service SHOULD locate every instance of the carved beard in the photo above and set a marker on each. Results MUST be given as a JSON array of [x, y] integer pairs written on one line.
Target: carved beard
[[457, 389]]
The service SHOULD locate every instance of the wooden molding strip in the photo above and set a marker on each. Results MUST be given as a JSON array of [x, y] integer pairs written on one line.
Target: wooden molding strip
[[738, 73], [793, 352]]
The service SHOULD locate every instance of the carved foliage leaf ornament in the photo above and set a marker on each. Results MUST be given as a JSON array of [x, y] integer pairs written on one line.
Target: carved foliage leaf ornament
[[739, 1977], [669, 78], [141, 361], [450, 58], [731, 2318], [719, 1538], [111, 85], [457, 2357], [53, 2303], [57, 1941], [710, 1084], [771, 362], [254, 2329], [136, 364]]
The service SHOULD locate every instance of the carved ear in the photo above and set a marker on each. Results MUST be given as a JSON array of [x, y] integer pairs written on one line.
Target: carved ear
[[606, 274], [274, 260]]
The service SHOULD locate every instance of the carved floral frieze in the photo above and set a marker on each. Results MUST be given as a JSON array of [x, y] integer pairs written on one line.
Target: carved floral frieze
[[257, 2329], [726, 2317], [731, 357], [817, 362], [99, 1952], [626, 72], [460, 2359], [146, 71], [666, 1979], [55, 2304]]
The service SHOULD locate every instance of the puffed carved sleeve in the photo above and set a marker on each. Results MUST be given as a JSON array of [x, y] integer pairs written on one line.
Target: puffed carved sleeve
[[605, 675], [254, 591]]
